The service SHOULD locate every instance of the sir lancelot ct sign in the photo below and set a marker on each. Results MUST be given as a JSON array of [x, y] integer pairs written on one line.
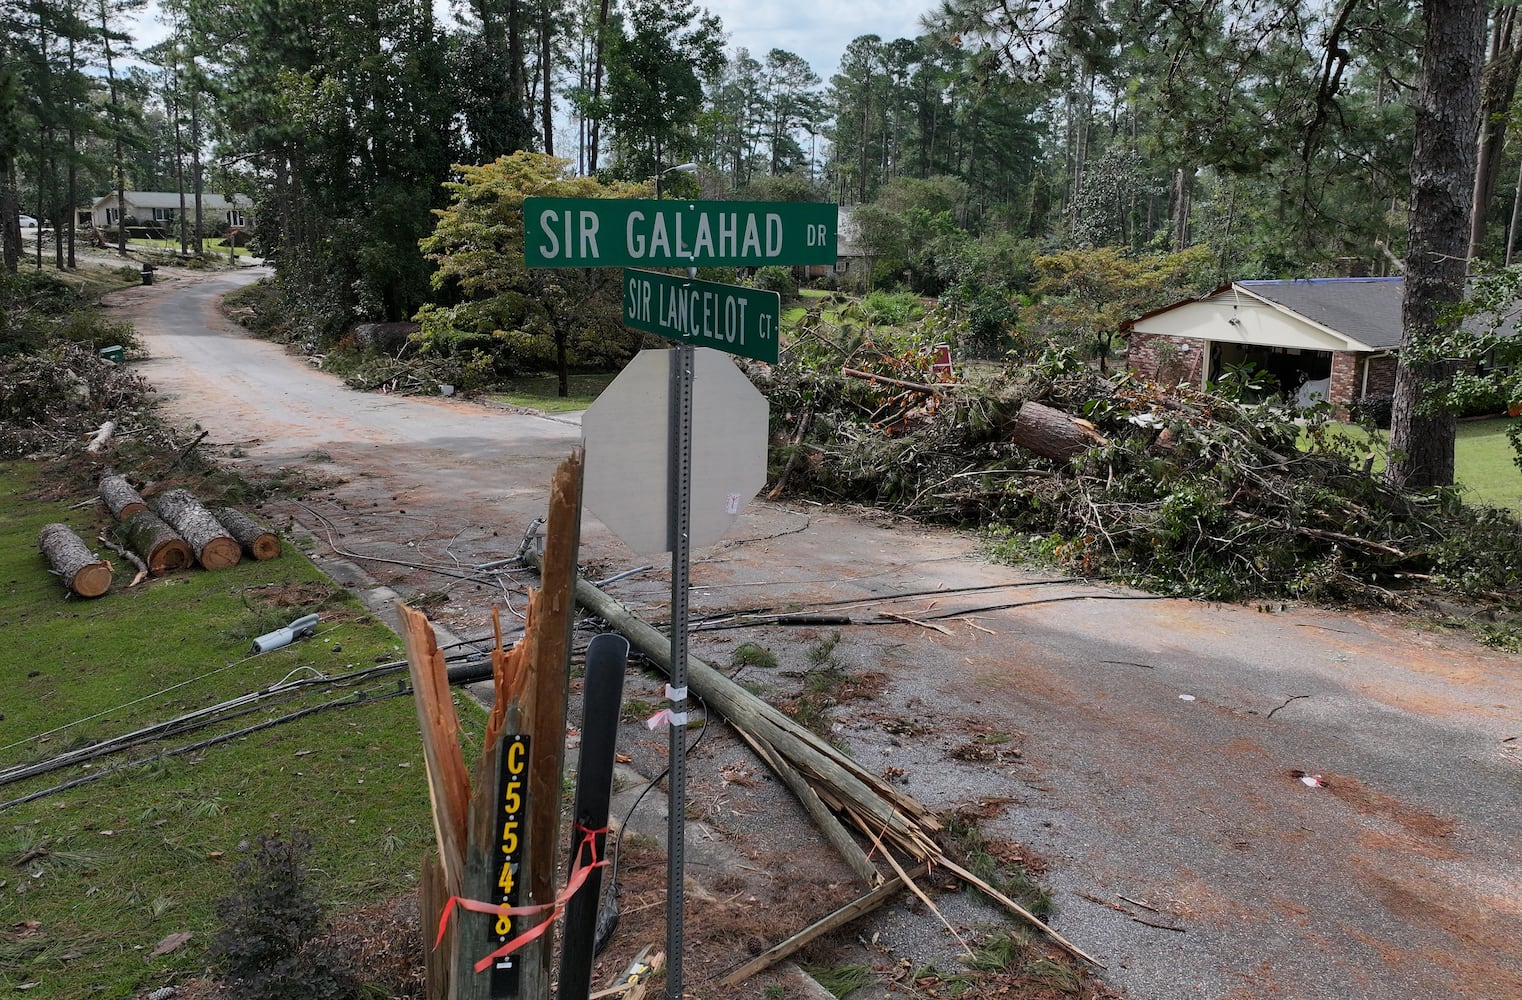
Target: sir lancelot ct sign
[[735, 320], [625, 232]]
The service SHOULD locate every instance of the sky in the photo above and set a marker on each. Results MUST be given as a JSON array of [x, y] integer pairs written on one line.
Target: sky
[[817, 31]]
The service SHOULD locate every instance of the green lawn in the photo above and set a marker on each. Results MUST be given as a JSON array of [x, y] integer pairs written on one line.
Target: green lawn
[[210, 246], [97, 875], [1483, 460], [542, 392]]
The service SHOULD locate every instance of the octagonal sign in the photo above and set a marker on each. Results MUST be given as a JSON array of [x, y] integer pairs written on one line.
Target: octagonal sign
[[627, 434]]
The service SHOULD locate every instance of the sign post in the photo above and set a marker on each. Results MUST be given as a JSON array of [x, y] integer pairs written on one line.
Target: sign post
[[732, 422]]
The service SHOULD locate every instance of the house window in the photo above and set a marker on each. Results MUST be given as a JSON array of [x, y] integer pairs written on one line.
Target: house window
[[163, 215], [112, 216], [234, 217]]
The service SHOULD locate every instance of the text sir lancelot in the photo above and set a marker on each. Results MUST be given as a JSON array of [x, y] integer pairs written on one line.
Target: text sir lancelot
[[693, 310]]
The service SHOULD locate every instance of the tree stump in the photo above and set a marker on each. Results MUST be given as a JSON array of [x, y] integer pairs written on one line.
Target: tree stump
[[213, 546], [164, 551], [256, 541], [121, 499], [72, 560], [1051, 433]]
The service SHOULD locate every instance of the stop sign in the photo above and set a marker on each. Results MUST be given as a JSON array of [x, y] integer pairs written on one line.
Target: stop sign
[[627, 434]]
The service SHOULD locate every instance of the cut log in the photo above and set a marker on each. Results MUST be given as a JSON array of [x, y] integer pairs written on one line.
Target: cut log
[[72, 560], [1051, 433], [214, 547], [122, 500], [163, 550], [256, 541]]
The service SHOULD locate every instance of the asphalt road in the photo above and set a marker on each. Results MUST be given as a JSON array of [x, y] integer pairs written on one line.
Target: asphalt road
[[1145, 751]]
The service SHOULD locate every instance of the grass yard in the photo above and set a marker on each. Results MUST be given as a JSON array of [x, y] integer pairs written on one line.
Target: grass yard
[[97, 876], [542, 392], [1483, 460]]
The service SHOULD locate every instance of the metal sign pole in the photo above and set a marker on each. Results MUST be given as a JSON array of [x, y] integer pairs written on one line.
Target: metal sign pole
[[680, 467]]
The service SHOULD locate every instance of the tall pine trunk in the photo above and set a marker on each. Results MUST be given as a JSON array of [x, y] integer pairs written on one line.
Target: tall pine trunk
[[1447, 108]]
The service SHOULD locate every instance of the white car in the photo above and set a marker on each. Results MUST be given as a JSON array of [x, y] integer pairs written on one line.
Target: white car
[[27, 222]]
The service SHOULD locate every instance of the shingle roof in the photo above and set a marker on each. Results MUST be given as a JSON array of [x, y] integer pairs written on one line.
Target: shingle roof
[[1367, 310]]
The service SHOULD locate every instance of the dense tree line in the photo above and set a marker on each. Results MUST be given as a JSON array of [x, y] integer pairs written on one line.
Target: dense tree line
[[1278, 135]]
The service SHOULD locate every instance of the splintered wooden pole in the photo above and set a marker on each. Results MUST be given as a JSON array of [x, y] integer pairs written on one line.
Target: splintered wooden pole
[[448, 786], [472, 934], [543, 706]]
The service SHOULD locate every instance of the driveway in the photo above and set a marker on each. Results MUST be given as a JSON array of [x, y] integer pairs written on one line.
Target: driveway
[[1158, 758]]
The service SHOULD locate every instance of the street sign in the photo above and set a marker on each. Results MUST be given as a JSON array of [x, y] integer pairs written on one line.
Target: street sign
[[628, 444], [728, 318], [623, 232]]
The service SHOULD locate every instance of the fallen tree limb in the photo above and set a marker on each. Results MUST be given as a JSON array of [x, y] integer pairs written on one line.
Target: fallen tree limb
[[885, 380], [130, 556], [1051, 433], [101, 437], [856, 908]]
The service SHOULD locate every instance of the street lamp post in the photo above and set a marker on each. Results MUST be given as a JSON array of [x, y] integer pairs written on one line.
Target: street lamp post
[[680, 168]]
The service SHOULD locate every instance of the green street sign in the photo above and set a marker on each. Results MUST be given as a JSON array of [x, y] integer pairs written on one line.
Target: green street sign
[[623, 232], [743, 321]]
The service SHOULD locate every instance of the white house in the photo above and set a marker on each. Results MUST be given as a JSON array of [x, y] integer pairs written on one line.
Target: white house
[[1335, 338], [148, 207]]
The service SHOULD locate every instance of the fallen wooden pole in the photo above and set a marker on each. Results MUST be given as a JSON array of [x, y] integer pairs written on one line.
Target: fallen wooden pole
[[834, 831], [852, 910], [878, 810], [802, 748]]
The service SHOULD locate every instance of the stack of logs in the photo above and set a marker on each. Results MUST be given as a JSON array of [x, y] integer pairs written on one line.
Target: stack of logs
[[176, 533]]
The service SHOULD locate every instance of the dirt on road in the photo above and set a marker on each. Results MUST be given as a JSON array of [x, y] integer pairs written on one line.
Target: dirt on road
[[1222, 801]]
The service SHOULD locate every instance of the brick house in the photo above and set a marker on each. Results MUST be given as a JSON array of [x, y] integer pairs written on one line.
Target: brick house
[[1331, 339]]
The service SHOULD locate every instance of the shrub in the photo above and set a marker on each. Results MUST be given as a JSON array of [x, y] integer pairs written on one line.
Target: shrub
[[1374, 410], [271, 949], [776, 279]]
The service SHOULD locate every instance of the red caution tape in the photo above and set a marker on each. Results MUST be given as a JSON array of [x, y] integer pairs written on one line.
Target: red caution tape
[[580, 872]]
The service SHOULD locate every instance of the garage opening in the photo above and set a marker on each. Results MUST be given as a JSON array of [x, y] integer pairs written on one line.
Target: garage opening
[[1302, 376]]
